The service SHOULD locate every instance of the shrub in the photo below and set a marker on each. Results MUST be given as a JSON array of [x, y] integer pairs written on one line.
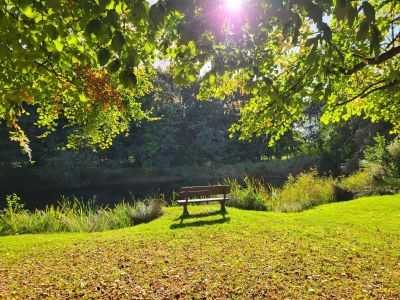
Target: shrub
[[145, 211], [303, 192], [252, 196], [374, 155], [298, 193], [391, 165], [14, 207], [76, 216], [380, 170], [361, 183]]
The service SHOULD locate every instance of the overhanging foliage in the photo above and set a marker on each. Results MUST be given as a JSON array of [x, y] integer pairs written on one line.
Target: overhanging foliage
[[84, 64]]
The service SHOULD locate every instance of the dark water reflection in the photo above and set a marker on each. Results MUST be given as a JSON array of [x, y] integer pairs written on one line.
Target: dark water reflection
[[37, 198]]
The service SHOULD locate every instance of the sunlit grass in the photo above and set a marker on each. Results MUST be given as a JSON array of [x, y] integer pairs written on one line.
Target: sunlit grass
[[76, 216], [341, 250]]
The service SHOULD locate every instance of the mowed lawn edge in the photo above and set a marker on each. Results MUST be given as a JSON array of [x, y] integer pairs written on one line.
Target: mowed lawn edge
[[371, 211], [332, 250]]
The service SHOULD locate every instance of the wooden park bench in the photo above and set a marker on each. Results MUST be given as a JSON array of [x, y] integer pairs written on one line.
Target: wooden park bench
[[204, 194]]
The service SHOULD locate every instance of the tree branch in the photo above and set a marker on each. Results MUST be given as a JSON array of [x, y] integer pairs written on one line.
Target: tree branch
[[54, 72], [372, 61], [395, 20], [381, 88], [367, 91], [393, 41], [298, 84]]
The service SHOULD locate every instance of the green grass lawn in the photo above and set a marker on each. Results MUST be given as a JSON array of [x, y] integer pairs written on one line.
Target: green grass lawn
[[341, 250]]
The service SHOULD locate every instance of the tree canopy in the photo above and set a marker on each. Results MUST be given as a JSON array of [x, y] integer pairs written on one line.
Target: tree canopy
[[342, 55], [84, 64]]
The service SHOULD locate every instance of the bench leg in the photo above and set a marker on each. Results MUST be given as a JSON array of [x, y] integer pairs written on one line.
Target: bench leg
[[223, 209], [185, 211]]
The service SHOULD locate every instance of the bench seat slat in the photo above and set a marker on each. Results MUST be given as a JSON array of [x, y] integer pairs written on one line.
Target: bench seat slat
[[198, 191], [202, 200]]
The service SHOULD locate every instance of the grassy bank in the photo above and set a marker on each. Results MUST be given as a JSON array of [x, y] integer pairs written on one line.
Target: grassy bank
[[76, 216], [339, 250]]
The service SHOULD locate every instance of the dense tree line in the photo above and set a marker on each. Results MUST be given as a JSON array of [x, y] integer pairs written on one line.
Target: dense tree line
[[182, 131]]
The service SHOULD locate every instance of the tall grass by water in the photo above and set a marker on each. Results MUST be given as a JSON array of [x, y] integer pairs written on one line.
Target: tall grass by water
[[299, 193], [75, 216]]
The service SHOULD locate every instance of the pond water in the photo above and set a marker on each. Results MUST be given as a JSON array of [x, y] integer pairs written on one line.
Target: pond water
[[37, 198]]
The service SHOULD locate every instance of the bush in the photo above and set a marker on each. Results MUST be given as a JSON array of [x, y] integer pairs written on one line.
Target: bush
[[361, 183], [298, 193], [76, 216], [252, 197], [146, 211], [380, 170], [303, 192], [391, 165]]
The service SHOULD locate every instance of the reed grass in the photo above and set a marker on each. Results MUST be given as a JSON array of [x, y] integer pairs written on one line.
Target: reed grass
[[74, 215]]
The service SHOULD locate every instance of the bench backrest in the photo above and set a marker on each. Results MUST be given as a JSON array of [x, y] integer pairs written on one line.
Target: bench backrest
[[200, 191]]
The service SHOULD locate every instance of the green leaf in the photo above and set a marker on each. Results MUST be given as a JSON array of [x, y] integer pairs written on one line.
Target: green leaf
[[132, 59], [29, 12], [128, 78], [327, 32], [192, 47], [103, 56], [58, 45], [114, 66], [312, 57], [3, 20], [191, 77], [83, 98], [72, 40], [141, 9], [56, 56], [148, 48], [340, 9], [157, 14], [363, 31], [118, 41], [312, 41], [376, 37], [112, 18], [369, 11], [351, 13], [314, 11], [51, 31], [295, 38], [212, 79], [56, 5], [94, 26], [4, 52], [103, 3]]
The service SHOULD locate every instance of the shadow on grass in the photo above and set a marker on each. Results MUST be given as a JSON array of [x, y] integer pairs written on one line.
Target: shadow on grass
[[199, 223], [201, 215]]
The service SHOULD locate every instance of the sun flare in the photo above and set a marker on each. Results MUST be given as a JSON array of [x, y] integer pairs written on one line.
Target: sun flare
[[233, 4]]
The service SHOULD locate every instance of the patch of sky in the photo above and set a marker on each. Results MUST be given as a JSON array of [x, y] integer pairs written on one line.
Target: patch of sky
[[326, 19]]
